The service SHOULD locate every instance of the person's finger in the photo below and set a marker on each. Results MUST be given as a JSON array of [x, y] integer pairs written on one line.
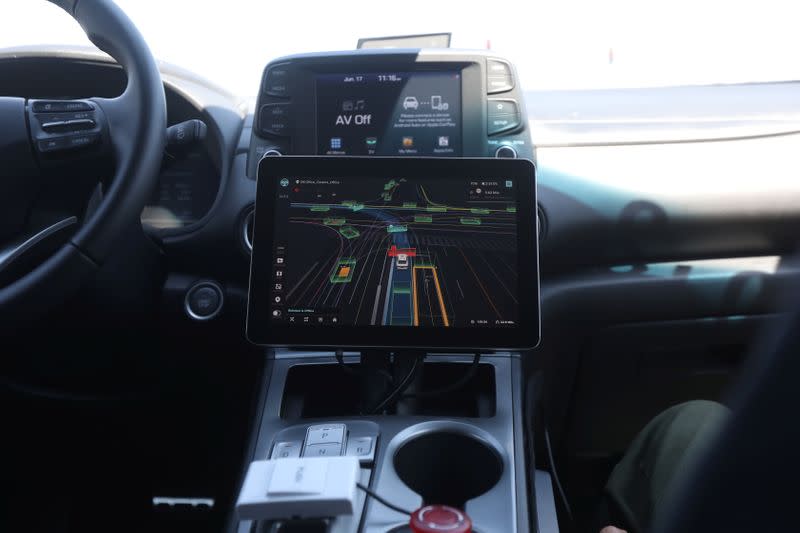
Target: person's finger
[[612, 529]]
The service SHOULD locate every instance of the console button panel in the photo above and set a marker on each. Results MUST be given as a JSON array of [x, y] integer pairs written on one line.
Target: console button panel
[[352, 439], [286, 450], [360, 447], [333, 434], [322, 450]]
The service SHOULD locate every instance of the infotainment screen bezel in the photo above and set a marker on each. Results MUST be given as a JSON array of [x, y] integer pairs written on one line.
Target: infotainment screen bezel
[[262, 331], [305, 71]]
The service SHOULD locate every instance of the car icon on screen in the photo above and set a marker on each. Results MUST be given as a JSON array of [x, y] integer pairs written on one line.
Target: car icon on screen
[[410, 102], [402, 261]]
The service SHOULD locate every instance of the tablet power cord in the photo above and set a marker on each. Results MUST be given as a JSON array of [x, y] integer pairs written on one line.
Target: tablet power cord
[[395, 395], [374, 495]]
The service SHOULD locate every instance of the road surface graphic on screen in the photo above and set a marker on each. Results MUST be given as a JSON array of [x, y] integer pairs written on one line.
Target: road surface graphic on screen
[[437, 252]]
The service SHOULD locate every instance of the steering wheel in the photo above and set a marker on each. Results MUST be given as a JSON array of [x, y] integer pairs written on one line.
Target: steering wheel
[[40, 136]]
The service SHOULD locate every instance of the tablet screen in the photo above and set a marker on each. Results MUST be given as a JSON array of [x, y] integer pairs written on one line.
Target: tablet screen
[[395, 251]]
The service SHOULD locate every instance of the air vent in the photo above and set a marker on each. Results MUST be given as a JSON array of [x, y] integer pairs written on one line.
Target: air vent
[[247, 230]]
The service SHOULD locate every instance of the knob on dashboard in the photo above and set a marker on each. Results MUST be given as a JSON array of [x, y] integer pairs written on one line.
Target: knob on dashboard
[[505, 152]]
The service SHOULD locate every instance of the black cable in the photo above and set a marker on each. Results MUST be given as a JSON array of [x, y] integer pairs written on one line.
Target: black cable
[[453, 386], [555, 473], [340, 360], [369, 492], [400, 389], [359, 371]]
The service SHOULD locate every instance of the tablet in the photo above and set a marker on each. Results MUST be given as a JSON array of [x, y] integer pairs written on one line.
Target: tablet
[[396, 253]]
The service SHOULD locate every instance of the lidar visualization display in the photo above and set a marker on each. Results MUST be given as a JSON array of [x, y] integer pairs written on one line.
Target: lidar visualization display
[[432, 252]]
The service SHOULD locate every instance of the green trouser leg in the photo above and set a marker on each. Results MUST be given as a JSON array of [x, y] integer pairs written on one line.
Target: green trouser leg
[[640, 480]]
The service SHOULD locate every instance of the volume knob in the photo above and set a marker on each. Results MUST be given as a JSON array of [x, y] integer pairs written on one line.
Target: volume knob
[[505, 152]]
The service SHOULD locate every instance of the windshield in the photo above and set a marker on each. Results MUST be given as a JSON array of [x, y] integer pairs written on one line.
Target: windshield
[[555, 44]]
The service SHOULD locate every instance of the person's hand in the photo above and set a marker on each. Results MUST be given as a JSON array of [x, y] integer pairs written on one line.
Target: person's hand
[[612, 529]]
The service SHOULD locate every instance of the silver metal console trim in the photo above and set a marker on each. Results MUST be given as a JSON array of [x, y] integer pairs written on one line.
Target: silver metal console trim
[[503, 509], [478, 508]]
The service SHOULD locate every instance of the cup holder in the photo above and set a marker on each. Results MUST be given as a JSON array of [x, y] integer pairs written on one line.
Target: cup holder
[[448, 467]]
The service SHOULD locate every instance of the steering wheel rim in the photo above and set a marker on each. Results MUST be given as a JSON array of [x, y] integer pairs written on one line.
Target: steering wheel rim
[[137, 122]]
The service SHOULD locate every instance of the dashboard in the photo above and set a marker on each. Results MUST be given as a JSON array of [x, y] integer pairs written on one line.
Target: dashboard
[[599, 205], [187, 187]]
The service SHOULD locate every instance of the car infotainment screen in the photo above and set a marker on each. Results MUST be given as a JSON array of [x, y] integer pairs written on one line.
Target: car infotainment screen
[[389, 113], [411, 248]]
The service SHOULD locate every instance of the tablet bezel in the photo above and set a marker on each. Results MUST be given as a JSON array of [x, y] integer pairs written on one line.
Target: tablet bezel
[[262, 330]]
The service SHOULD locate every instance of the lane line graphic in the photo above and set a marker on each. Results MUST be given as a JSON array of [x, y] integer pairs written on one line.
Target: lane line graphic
[[364, 292], [441, 300], [499, 279], [388, 295], [377, 297], [309, 271], [480, 284], [375, 306], [438, 294]]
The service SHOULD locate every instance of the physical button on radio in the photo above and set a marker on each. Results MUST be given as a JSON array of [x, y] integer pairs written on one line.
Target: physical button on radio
[[501, 123], [499, 78], [274, 119], [503, 116], [503, 107], [505, 152], [276, 82]]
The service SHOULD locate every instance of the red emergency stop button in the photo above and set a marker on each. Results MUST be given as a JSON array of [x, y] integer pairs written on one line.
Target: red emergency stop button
[[440, 518]]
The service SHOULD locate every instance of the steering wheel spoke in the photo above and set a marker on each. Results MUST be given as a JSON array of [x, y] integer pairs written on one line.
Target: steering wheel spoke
[[22, 254], [64, 130]]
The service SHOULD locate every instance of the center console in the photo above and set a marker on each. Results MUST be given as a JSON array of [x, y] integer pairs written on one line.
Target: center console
[[466, 449], [442, 103], [396, 295]]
